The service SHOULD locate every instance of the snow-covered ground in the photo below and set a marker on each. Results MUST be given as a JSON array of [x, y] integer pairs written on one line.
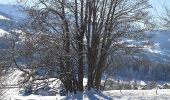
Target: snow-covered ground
[[2, 33], [3, 18], [11, 80], [106, 95], [163, 94], [13, 93]]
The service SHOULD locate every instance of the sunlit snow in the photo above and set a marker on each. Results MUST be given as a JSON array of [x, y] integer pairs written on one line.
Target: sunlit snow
[[3, 18]]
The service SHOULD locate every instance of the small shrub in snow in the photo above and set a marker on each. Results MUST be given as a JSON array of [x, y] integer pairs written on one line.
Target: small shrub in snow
[[142, 87], [135, 85], [117, 85], [126, 86], [152, 85], [111, 85], [166, 86]]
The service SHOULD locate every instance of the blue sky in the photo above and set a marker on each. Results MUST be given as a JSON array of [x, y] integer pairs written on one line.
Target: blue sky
[[157, 9], [6, 1], [159, 6]]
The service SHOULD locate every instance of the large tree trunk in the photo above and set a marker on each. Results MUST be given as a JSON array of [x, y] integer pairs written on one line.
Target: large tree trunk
[[92, 61], [80, 62], [80, 31], [100, 69], [91, 67], [66, 46], [67, 62]]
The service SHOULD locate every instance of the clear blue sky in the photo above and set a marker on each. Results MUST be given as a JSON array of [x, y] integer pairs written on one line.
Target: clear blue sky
[[158, 5]]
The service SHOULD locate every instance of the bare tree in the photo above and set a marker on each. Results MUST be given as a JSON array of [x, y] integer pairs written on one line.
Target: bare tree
[[166, 18], [88, 30], [108, 23]]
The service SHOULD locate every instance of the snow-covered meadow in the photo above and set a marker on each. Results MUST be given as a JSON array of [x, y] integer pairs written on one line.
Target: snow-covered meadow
[[106, 95], [154, 94]]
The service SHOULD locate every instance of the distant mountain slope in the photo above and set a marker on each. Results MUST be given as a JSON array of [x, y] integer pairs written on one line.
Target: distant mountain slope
[[151, 63], [10, 16], [12, 11], [4, 16], [160, 51]]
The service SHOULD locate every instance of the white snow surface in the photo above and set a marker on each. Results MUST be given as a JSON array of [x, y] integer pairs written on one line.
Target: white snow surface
[[13, 93], [11, 80], [3, 18], [2, 32], [163, 94], [106, 95]]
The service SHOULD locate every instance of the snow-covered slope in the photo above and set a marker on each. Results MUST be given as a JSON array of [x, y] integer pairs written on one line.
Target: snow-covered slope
[[3, 18], [3, 33], [150, 63], [11, 81], [10, 16], [161, 45], [12, 11]]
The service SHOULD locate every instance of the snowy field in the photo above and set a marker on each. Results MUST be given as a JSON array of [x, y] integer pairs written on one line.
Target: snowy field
[[140, 95], [162, 94], [106, 95]]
